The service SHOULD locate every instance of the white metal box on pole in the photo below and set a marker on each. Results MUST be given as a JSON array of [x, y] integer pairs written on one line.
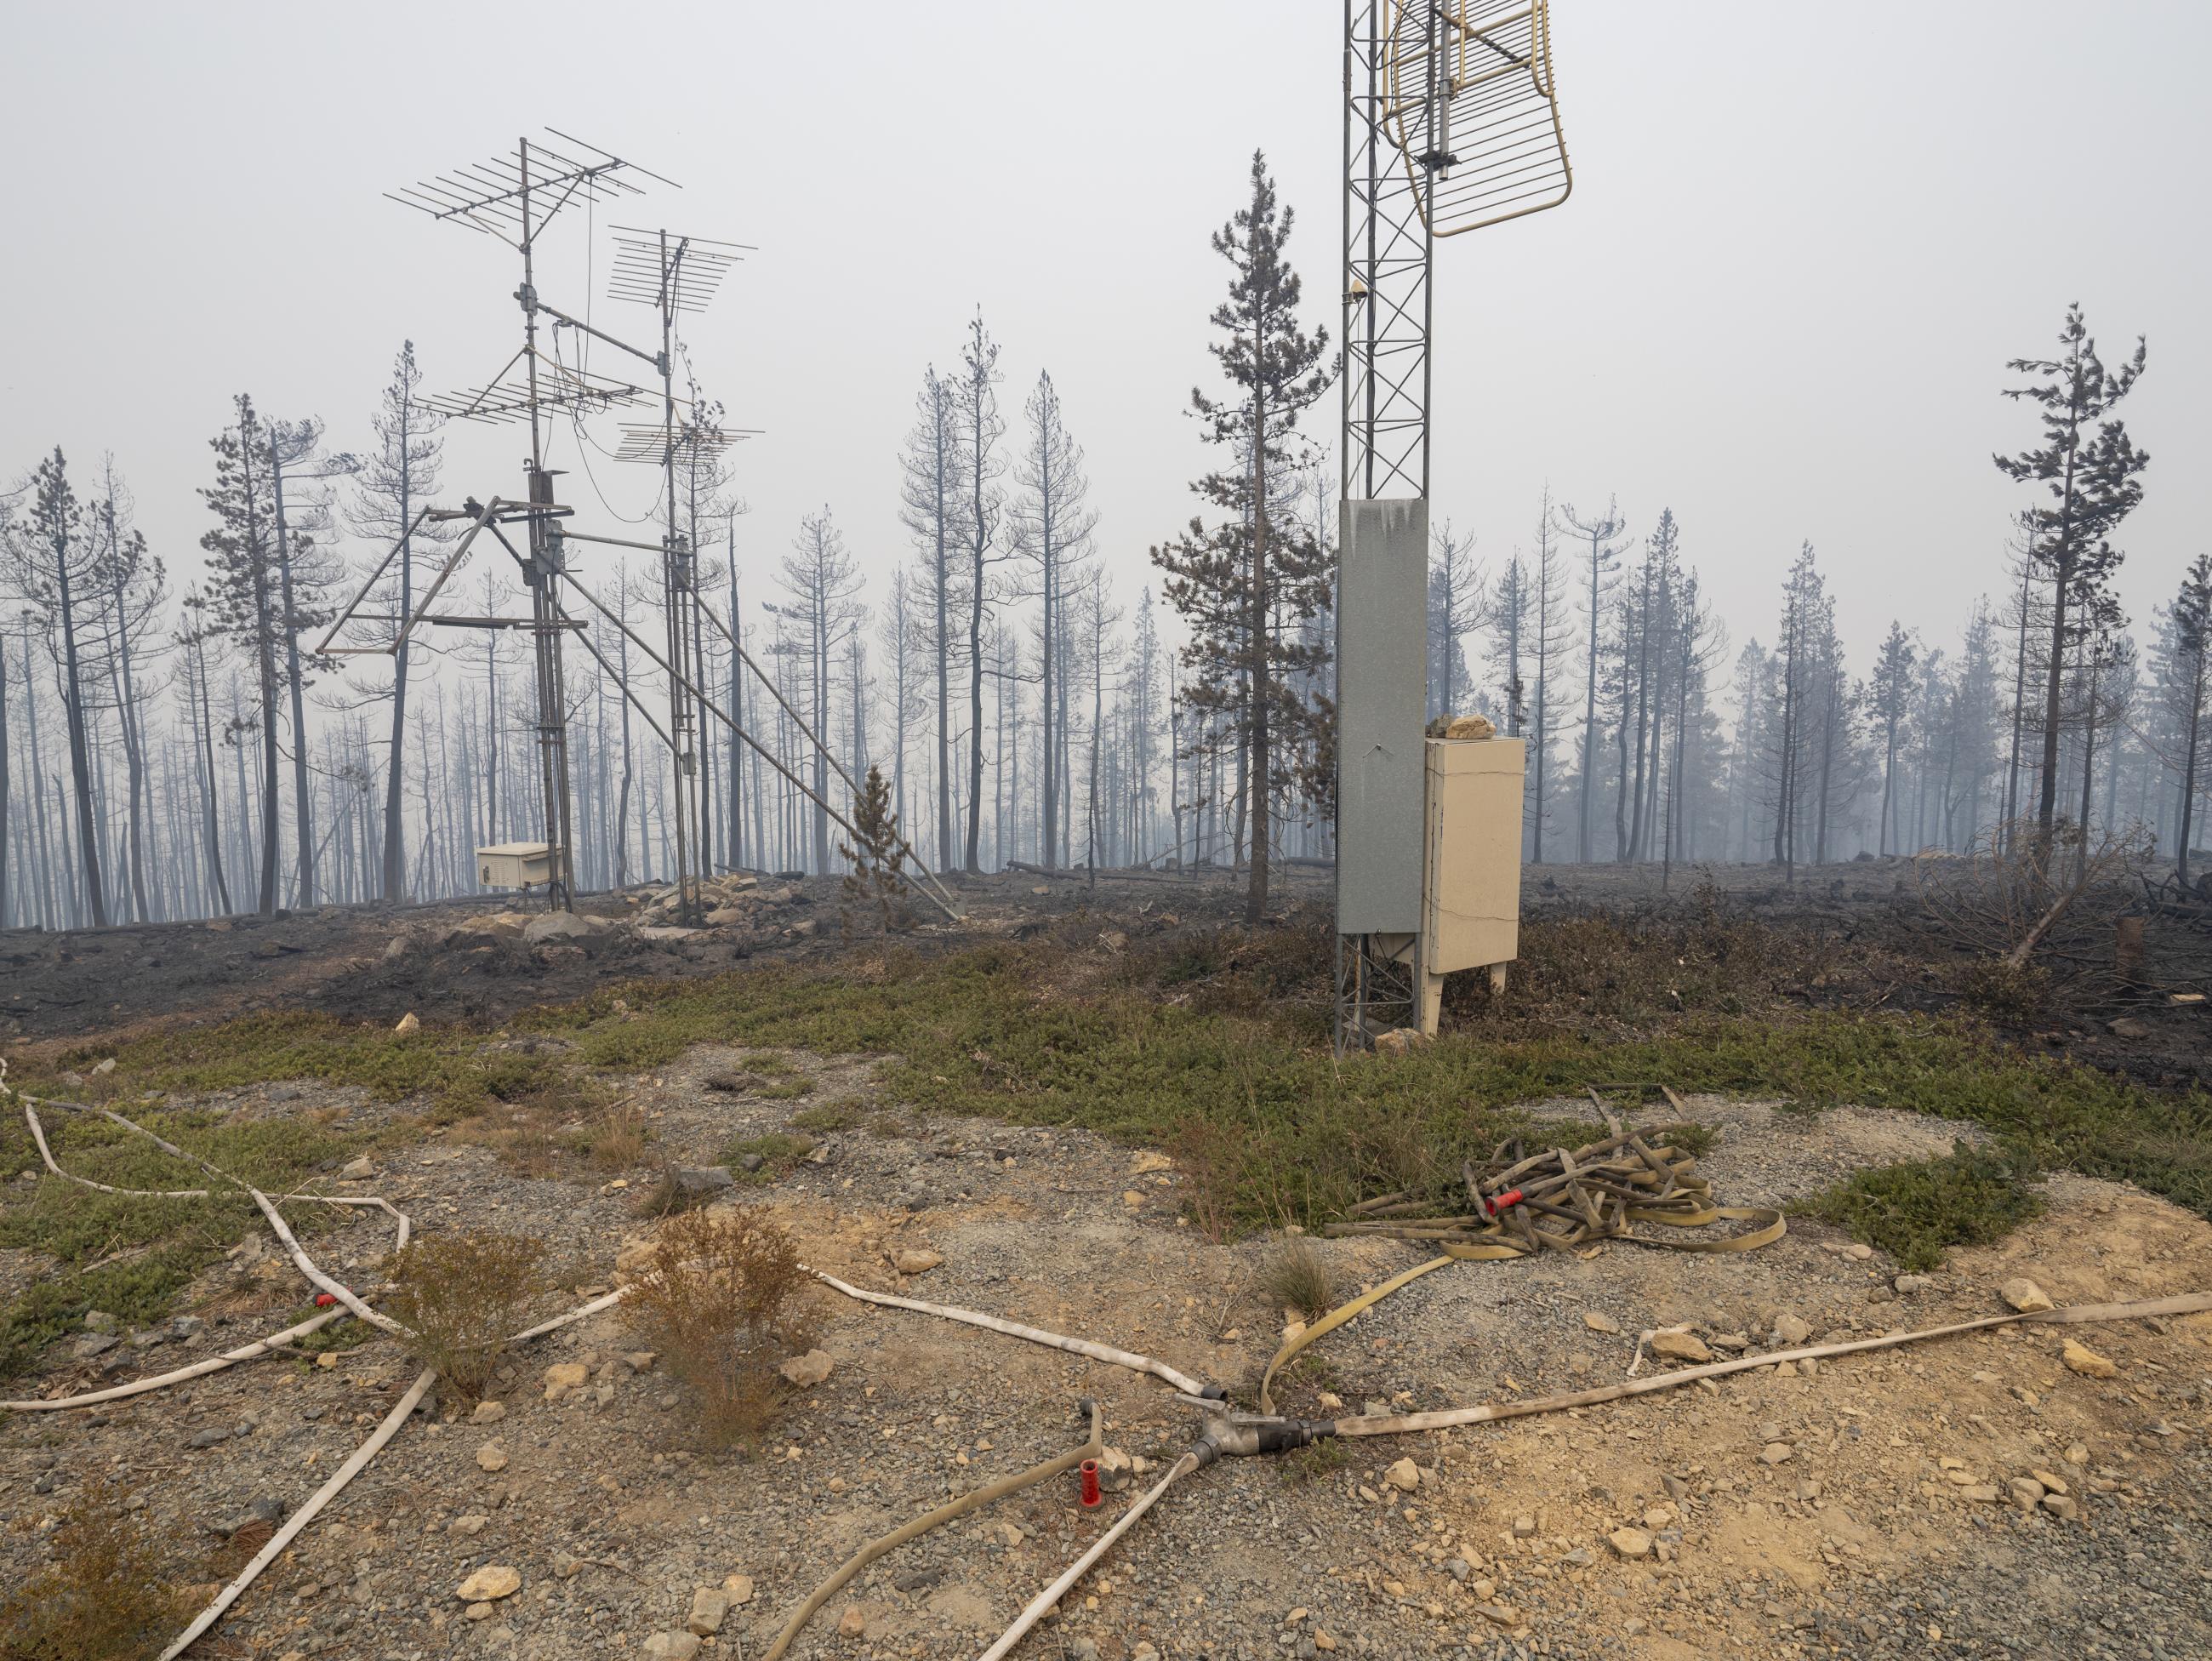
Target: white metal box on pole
[[514, 865], [1471, 888]]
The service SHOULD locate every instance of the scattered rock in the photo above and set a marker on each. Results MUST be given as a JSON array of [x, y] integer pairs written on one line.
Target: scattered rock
[[2080, 1358], [915, 1260], [852, 1623], [1600, 1322], [549, 926], [2062, 1506], [488, 1413], [2024, 1295], [697, 1181], [563, 1377], [671, 1646], [1399, 1040], [1777, 1453], [1911, 1283], [1524, 1527], [710, 1605], [1791, 1330], [1984, 1493], [489, 1584], [408, 1023], [2128, 1027], [100, 1320], [1404, 1476], [740, 1588], [567, 1564], [1114, 1471], [1630, 1543], [808, 1370], [1680, 1347], [491, 1457], [355, 1171]]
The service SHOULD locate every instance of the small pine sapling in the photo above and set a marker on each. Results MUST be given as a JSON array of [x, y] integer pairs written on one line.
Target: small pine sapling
[[878, 872]]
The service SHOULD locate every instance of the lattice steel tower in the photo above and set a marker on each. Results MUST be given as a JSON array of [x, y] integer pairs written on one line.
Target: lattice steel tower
[[1450, 123]]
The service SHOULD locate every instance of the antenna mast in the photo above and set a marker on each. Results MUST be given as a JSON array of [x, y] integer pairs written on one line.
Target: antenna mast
[[1450, 123]]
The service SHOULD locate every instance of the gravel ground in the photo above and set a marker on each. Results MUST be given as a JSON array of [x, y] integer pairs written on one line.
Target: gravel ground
[[1826, 1513]]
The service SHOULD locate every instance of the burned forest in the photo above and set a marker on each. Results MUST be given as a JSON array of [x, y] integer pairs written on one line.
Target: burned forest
[[1213, 835]]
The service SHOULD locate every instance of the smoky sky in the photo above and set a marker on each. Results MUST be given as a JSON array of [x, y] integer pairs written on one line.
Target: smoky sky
[[1802, 241]]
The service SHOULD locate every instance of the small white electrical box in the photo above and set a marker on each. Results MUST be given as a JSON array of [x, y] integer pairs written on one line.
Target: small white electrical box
[[514, 865]]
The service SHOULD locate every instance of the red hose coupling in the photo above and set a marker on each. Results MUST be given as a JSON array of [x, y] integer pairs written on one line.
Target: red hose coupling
[[1088, 1471], [1510, 1197], [324, 1301]]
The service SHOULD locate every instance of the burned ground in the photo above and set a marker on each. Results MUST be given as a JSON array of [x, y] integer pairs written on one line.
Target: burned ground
[[1099, 1108]]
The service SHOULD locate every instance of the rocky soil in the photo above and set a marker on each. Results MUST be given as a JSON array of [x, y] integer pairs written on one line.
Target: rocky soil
[[1973, 1496]]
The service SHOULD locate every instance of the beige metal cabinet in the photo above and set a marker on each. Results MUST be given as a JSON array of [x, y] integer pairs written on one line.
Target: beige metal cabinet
[[514, 865], [1471, 887]]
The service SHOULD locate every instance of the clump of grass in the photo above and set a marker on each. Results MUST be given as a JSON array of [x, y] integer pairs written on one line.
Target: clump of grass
[[1307, 1464], [464, 1296], [1210, 1154], [723, 1298], [843, 1114], [790, 1090], [1298, 1278], [614, 1138], [131, 1256], [1914, 1211], [105, 1595], [2010, 992], [1694, 1138], [779, 1153]]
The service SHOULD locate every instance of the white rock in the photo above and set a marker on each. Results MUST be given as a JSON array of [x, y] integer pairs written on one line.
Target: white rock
[[357, 1170], [1630, 1543], [1790, 1330], [808, 1370], [2024, 1295], [488, 1413], [671, 1646], [408, 1023], [1404, 1476], [491, 1457], [740, 1588]]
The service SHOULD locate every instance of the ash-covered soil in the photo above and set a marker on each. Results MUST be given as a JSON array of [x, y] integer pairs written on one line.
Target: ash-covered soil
[[1846, 1510], [476, 959]]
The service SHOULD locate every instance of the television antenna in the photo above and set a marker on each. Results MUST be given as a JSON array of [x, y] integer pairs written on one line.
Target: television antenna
[[513, 197], [675, 276], [1451, 122]]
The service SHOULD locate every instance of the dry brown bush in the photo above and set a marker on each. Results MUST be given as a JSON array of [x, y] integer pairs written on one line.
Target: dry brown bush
[[723, 1298], [464, 1296], [106, 1595]]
